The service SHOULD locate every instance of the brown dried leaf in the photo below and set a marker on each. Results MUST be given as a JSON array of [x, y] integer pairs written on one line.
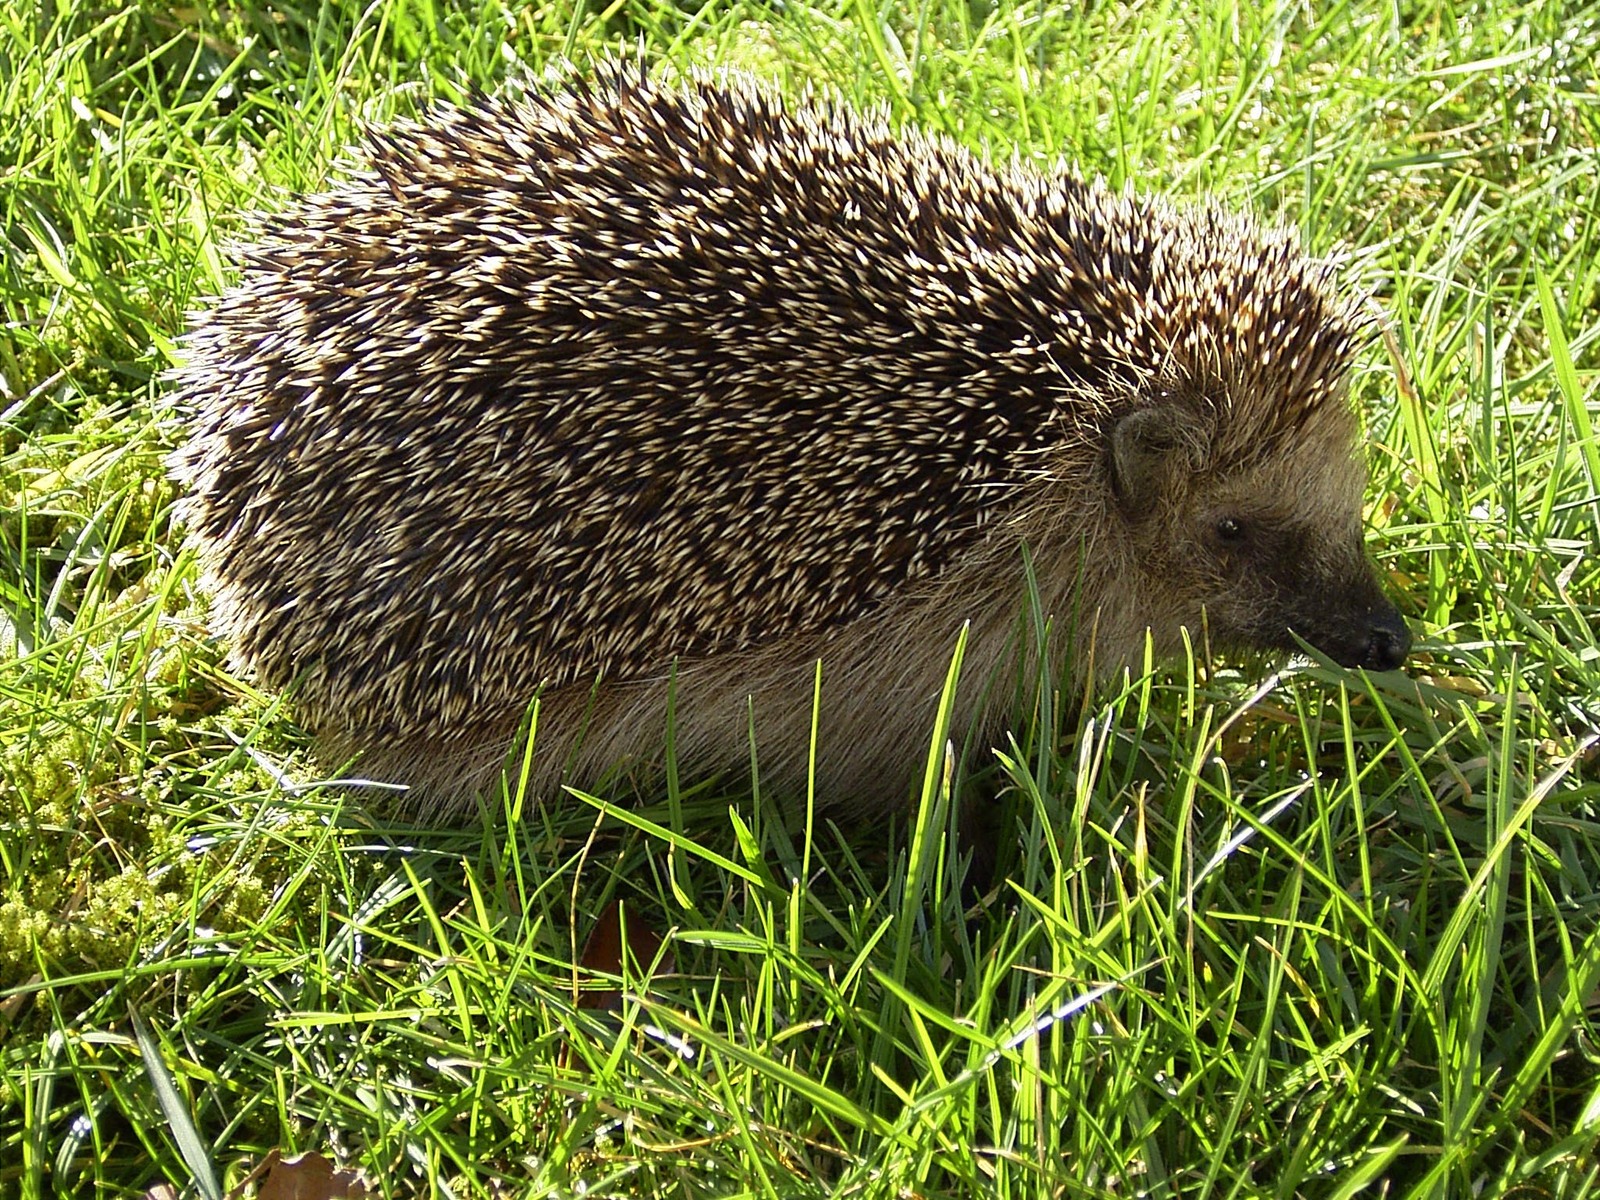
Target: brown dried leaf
[[308, 1176], [603, 953]]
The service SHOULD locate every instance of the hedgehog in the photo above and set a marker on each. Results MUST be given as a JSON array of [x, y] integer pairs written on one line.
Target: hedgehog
[[643, 398]]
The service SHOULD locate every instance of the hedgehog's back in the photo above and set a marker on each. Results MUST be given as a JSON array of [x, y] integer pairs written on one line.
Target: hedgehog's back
[[581, 387]]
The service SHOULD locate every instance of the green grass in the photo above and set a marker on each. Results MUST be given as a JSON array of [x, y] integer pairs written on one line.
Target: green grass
[[1330, 936]]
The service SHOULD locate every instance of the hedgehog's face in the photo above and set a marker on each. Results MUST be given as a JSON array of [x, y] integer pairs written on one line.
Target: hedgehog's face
[[1259, 547]]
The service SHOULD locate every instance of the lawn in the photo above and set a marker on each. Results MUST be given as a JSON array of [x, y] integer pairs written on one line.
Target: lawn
[[1298, 933]]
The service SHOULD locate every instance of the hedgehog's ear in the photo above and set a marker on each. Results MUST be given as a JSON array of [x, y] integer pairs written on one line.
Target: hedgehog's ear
[[1148, 445]]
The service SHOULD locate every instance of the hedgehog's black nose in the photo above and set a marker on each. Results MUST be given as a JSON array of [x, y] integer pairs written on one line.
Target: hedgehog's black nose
[[1388, 642]]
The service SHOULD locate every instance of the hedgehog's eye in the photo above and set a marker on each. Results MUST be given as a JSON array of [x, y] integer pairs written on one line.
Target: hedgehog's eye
[[1230, 529]]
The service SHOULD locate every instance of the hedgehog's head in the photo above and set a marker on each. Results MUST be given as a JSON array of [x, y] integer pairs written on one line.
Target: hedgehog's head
[[1245, 515], [1234, 451]]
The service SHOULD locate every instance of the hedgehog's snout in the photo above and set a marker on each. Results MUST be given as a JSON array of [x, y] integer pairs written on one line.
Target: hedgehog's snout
[[1379, 640], [1388, 641]]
